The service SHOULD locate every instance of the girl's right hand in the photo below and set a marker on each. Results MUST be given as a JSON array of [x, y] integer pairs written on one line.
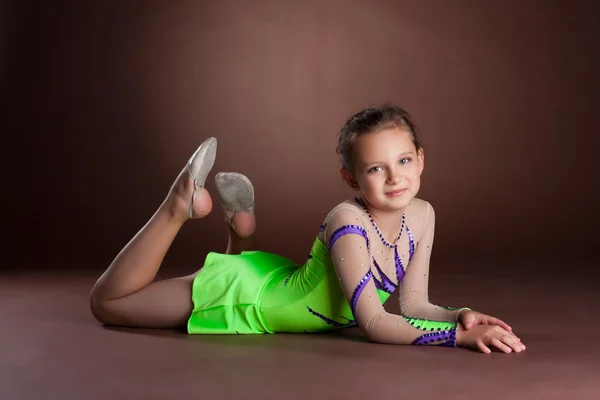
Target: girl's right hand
[[482, 337]]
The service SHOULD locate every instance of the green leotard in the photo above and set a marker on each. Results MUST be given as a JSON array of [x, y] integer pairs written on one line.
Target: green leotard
[[257, 292]]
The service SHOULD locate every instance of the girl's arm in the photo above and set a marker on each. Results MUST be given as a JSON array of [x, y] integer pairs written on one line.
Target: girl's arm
[[413, 289], [347, 242]]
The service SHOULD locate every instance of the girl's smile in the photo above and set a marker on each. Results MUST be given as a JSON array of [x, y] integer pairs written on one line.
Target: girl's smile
[[396, 193]]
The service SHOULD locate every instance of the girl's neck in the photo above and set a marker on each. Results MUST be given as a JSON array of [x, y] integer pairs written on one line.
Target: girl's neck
[[388, 222]]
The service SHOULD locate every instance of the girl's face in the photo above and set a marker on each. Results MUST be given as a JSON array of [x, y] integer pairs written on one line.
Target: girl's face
[[387, 169]]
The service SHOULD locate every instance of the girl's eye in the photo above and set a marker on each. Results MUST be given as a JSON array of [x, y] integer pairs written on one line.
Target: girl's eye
[[404, 160], [375, 169]]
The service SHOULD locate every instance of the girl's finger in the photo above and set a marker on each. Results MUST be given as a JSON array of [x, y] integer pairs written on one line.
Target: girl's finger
[[516, 345], [496, 321], [501, 346], [504, 325], [501, 330], [483, 348]]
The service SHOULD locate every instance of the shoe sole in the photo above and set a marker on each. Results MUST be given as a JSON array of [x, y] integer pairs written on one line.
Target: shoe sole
[[235, 191]]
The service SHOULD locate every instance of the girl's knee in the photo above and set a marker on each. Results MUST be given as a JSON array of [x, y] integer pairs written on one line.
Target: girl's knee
[[99, 309]]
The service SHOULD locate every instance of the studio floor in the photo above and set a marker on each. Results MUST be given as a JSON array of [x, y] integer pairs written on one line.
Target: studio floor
[[53, 348]]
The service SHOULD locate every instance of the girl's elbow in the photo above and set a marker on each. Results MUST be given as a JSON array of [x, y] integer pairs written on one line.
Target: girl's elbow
[[374, 334]]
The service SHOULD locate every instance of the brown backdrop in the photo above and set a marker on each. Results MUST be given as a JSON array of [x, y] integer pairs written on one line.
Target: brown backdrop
[[103, 103]]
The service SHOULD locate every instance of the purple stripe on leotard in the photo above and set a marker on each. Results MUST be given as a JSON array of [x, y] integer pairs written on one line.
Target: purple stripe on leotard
[[386, 283], [399, 265], [329, 321], [451, 342], [447, 337], [448, 343], [345, 230], [359, 288], [411, 244]]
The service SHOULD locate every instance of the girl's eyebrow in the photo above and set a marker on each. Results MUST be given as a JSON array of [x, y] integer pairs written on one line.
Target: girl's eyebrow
[[381, 162]]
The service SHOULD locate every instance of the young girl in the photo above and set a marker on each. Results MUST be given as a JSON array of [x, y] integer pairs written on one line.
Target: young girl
[[367, 247]]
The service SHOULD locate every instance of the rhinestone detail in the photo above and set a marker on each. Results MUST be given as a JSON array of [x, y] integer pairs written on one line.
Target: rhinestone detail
[[385, 242]]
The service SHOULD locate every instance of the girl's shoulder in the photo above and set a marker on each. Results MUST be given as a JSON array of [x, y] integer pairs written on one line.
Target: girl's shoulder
[[348, 212], [420, 217], [418, 206], [347, 209]]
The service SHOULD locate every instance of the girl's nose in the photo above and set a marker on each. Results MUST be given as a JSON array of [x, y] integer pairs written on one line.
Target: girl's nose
[[394, 177]]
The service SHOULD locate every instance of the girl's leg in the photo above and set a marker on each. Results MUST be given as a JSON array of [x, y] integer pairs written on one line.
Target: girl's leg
[[243, 222], [125, 294]]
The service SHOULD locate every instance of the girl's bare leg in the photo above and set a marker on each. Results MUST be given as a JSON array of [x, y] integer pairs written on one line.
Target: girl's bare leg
[[126, 294], [241, 233]]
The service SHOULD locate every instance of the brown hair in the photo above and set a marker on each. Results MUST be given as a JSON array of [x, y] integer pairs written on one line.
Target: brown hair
[[373, 120]]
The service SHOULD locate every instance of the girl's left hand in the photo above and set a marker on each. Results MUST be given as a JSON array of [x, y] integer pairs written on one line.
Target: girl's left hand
[[468, 318]]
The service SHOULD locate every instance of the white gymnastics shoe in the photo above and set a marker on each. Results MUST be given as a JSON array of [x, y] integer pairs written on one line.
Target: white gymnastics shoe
[[236, 193], [199, 165]]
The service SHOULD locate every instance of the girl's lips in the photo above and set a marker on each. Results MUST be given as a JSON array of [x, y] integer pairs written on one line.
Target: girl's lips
[[396, 192]]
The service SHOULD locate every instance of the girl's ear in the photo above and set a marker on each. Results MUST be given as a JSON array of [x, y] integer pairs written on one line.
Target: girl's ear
[[348, 177], [421, 157]]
